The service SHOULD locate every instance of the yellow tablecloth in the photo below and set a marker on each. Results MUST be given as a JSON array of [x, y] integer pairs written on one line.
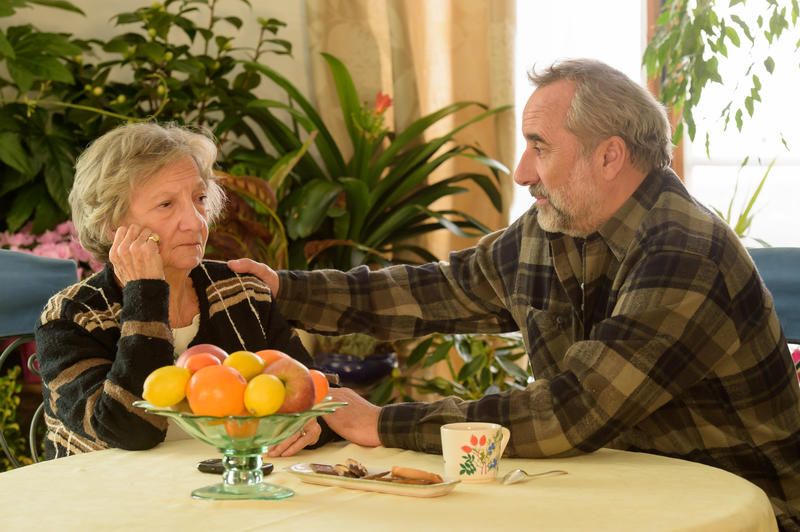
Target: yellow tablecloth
[[607, 490]]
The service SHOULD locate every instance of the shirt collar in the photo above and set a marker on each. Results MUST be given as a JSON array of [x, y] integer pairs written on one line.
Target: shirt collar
[[620, 230]]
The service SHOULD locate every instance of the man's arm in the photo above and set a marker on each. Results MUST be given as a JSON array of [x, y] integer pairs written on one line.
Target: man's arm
[[463, 295], [661, 339]]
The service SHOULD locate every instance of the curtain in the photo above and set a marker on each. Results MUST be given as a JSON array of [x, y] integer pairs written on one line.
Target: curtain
[[426, 54]]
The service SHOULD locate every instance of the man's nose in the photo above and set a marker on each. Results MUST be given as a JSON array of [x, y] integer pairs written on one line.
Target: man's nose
[[525, 173]]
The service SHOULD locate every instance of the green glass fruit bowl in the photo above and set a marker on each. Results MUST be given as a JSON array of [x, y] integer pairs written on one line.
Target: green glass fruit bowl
[[242, 440]]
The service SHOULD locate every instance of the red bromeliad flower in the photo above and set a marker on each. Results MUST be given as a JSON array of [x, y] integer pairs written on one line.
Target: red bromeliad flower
[[382, 102]]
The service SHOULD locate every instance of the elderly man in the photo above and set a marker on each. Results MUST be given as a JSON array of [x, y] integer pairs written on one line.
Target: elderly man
[[646, 323]]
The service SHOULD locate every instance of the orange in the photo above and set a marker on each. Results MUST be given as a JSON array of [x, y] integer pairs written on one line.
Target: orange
[[247, 363], [216, 391], [271, 355], [241, 428], [201, 360], [321, 385], [165, 386], [264, 395]]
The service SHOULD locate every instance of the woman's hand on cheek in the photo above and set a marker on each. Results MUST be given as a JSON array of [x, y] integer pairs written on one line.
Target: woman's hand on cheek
[[135, 255]]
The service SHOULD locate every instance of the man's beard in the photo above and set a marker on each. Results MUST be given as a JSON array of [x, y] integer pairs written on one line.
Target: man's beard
[[551, 217], [558, 214]]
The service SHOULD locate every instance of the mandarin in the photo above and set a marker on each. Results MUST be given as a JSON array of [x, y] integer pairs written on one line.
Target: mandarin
[[201, 360], [271, 355], [321, 385], [216, 391]]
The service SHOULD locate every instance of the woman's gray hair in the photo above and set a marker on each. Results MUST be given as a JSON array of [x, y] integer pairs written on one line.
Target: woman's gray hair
[[113, 164], [608, 103]]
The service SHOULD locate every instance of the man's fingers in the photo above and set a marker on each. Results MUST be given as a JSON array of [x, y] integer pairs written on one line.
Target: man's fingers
[[244, 266], [262, 271]]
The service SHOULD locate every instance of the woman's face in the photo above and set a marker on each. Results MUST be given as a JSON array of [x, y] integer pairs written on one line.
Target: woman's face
[[172, 204]]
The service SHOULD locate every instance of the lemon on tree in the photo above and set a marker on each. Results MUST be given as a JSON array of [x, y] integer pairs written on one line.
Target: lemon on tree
[[245, 362], [264, 395], [166, 386]]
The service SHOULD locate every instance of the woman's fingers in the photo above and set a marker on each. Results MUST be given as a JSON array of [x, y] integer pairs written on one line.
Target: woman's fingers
[[135, 255], [308, 435]]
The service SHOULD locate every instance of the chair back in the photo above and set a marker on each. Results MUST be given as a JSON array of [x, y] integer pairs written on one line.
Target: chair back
[[780, 270], [26, 283]]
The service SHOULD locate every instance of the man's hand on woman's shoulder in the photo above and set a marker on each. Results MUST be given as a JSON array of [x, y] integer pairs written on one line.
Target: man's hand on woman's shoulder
[[262, 271]]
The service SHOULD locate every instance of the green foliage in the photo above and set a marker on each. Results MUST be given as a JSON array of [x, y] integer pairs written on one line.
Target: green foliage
[[56, 101], [741, 223], [321, 210], [355, 344], [489, 366], [343, 213], [692, 39], [10, 388]]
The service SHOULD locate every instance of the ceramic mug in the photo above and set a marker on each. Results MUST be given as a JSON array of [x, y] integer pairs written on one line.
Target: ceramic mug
[[472, 451]]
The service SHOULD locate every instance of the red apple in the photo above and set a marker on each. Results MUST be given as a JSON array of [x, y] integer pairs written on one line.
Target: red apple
[[201, 348], [298, 382]]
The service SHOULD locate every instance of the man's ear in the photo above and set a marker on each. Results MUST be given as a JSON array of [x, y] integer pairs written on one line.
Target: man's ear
[[613, 154]]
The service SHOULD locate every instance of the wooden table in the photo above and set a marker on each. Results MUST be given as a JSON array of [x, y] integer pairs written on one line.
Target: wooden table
[[606, 490]]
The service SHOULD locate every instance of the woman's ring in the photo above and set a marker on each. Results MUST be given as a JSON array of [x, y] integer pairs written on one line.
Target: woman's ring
[[154, 238], [303, 434]]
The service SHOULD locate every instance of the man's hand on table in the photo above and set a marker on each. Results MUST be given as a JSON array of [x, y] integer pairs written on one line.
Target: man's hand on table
[[357, 422], [262, 271]]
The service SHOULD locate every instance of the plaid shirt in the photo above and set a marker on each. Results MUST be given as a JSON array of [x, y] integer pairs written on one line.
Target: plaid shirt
[[654, 334]]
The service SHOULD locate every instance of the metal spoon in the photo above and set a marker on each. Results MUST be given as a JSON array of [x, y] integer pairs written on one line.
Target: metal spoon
[[519, 475]]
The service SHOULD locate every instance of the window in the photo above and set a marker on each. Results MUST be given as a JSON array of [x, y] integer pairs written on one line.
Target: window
[[712, 181], [548, 31]]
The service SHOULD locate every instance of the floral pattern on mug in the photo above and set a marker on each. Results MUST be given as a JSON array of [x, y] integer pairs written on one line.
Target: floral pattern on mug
[[479, 458]]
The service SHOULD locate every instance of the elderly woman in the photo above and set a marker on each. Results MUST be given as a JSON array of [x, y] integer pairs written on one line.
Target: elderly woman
[[143, 198]]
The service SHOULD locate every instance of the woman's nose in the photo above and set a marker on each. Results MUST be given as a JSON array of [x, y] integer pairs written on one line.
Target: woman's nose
[[191, 218]]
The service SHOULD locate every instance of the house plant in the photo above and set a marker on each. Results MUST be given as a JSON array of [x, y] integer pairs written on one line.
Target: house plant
[[474, 365], [343, 213], [56, 100]]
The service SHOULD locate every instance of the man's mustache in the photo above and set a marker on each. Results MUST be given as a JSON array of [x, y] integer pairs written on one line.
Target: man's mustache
[[538, 190]]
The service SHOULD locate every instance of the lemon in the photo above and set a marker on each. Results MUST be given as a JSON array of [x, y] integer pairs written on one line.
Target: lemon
[[247, 363], [166, 386], [264, 395]]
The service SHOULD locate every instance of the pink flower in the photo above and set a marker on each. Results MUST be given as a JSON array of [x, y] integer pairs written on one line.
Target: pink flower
[[56, 251], [20, 239], [65, 228], [49, 237], [382, 102], [78, 252], [796, 356]]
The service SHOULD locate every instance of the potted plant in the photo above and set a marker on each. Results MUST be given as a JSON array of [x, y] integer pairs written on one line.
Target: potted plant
[[471, 366], [341, 213]]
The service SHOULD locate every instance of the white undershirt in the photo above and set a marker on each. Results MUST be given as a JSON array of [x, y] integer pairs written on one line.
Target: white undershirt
[[182, 337]]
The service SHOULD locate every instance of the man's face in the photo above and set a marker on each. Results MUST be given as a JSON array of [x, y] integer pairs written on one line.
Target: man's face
[[560, 178]]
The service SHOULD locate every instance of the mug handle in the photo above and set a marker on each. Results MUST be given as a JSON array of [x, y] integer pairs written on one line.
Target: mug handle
[[506, 439]]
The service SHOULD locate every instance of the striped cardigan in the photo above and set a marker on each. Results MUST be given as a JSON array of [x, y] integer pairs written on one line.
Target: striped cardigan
[[98, 342]]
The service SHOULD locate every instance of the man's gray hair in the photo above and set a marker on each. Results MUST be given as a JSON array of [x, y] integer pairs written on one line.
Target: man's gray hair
[[115, 163], [608, 103]]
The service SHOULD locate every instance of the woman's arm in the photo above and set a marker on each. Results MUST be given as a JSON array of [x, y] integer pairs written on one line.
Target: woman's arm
[[94, 363]]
